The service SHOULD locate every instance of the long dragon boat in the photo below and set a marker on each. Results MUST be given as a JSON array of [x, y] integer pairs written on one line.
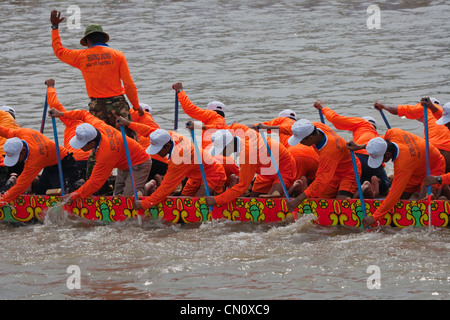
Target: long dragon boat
[[325, 212]]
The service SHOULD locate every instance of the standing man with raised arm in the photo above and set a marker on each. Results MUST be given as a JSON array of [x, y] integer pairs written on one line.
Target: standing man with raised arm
[[104, 71]]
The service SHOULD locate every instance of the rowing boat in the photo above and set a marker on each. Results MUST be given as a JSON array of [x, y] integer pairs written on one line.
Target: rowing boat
[[325, 212]]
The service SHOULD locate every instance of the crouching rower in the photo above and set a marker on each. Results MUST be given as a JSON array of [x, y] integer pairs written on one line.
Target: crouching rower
[[108, 145], [36, 152], [182, 163], [253, 160], [363, 129], [443, 180], [335, 177], [407, 152]]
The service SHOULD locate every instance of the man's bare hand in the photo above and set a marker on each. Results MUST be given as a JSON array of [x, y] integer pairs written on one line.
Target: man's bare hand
[[55, 18], [50, 83], [55, 113]]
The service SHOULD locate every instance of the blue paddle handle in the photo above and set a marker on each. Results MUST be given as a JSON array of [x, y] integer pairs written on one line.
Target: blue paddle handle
[[200, 163], [58, 156], [130, 165], [44, 115], [322, 119], [427, 144], [175, 122], [384, 119], [358, 182], [275, 165]]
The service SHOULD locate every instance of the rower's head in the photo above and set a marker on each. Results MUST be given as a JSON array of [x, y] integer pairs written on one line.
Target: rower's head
[[445, 119], [379, 150], [15, 152], [372, 121], [86, 137], [94, 34], [217, 106], [304, 132], [161, 143], [10, 110], [145, 107], [223, 143], [288, 113]]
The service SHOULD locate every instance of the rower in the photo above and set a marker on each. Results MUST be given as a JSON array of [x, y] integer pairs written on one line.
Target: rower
[[443, 180], [108, 146], [407, 152], [159, 164], [438, 135], [7, 174], [35, 152], [182, 163], [253, 159], [335, 177], [213, 115], [363, 129], [81, 157], [306, 158], [214, 118]]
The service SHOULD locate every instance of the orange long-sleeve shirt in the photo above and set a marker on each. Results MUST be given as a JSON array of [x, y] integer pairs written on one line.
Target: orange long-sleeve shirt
[[409, 167], [206, 116], [363, 131], [306, 159], [334, 161], [110, 153], [182, 163], [283, 123], [254, 159], [446, 178], [70, 126], [439, 135], [41, 154], [6, 121], [103, 68], [144, 141]]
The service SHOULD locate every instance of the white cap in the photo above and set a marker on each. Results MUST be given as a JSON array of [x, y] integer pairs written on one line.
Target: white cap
[[216, 106], [12, 148], [435, 101], [220, 139], [9, 110], [376, 148], [300, 129], [288, 113], [445, 114], [158, 139], [371, 120], [84, 133], [146, 107]]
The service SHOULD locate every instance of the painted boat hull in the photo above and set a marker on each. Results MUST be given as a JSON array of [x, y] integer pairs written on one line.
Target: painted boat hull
[[326, 212]]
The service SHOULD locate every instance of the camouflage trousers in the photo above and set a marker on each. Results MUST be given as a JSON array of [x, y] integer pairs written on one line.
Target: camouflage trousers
[[108, 109]]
